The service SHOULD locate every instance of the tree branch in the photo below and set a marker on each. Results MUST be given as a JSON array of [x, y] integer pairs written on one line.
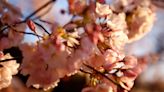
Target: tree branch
[[39, 9], [14, 58], [42, 28], [102, 75]]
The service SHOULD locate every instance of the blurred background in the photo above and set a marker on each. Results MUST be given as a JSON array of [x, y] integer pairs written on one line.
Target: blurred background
[[150, 47]]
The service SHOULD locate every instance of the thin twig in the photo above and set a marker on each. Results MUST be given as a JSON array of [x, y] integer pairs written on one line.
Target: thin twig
[[45, 21], [3, 29], [38, 17], [42, 28], [26, 32], [102, 75], [14, 58], [85, 72], [6, 26], [29, 34], [39, 9], [11, 26], [28, 17]]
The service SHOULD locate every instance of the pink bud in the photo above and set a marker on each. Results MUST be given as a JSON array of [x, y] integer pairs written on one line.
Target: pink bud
[[31, 25]]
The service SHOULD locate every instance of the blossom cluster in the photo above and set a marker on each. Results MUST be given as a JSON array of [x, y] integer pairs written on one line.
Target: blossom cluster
[[91, 43], [7, 70], [9, 16]]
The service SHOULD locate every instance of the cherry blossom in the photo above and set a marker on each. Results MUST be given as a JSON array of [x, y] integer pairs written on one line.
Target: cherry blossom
[[103, 9], [91, 43], [117, 40], [7, 70], [139, 28], [10, 37]]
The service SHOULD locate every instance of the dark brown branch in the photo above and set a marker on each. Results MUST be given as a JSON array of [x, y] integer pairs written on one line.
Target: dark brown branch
[[6, 26], [85, 72], [30, 34], [26, 32], [3, 29], [28, 17], [15, 58], [38, 17], [39, 9], [45, 21], [42, 28], [102, 75], [10, 26]]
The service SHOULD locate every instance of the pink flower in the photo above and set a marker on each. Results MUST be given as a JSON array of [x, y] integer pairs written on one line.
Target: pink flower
[[7, 70], [103, 9], [94, 32], [117, 40]]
